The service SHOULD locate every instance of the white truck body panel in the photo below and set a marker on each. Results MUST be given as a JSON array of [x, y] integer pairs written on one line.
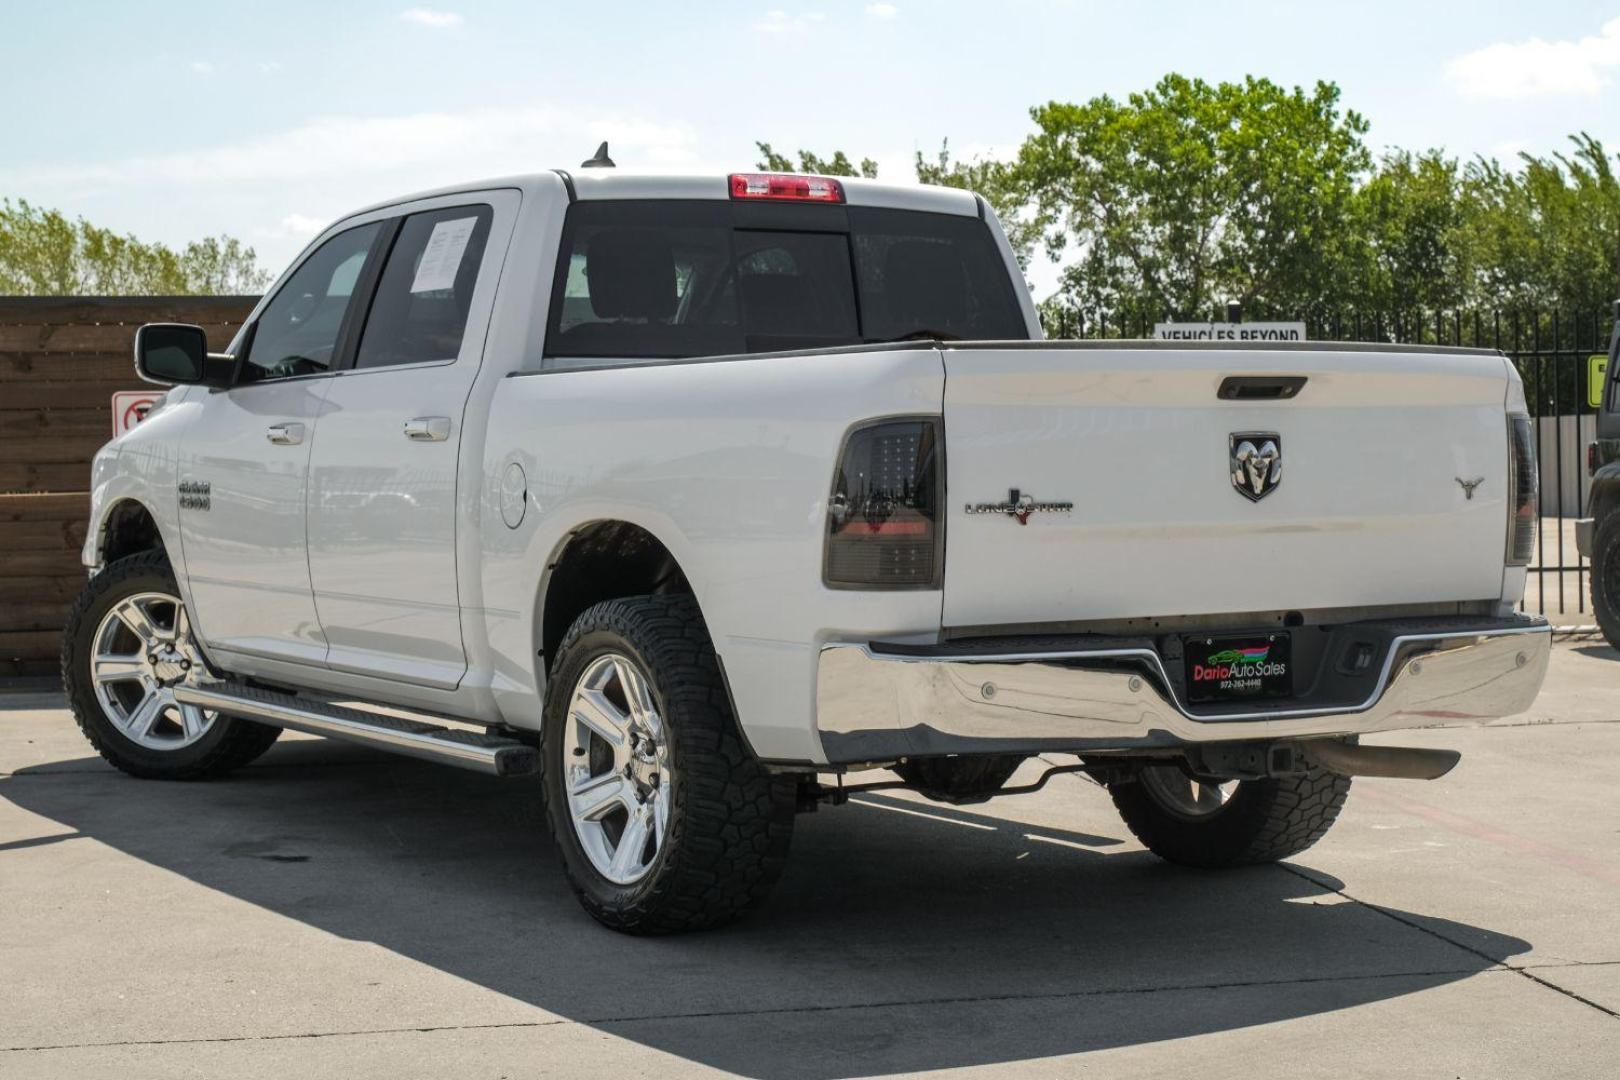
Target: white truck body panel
[[245, 558], [1370, 510], [727, 463]]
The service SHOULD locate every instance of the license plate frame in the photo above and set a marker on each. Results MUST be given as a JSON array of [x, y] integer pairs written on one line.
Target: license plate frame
[[1225, 668]]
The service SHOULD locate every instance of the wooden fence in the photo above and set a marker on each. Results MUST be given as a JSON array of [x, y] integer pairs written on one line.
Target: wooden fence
[[61, 359]]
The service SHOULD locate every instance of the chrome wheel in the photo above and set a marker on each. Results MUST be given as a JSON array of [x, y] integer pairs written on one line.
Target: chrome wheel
[[143, 649], [616, 769], [1183, 796]]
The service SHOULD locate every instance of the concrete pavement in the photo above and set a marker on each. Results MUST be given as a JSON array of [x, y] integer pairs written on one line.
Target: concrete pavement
[[334, 912]]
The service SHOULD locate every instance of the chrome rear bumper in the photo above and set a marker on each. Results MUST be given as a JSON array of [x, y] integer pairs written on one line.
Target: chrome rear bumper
[[876, 705]]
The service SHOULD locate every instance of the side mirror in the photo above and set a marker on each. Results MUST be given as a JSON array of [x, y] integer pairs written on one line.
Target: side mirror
[[171, 353]]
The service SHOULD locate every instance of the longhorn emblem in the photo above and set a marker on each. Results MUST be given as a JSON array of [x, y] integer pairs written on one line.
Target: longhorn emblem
[[1468, 486], [1256, 460], [1019, 506]]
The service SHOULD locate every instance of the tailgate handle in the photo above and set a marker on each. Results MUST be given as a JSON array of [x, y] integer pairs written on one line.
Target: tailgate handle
[[1259, 387]]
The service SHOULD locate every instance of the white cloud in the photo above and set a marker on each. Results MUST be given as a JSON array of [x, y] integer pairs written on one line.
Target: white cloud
[[1537, 68], [882, 11], [269, 66], [202, 67], [301, 225], [429, 17], [778, 21], [289, 234], [278, 188]]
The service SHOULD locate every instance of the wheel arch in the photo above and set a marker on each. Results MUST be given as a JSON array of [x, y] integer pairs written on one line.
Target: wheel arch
[[604, 559], [127, 526]]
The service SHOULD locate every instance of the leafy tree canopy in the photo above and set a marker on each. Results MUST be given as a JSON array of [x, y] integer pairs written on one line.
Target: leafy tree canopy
[[1190, 191], [44, 253], [1547, 234], [1188, 195]]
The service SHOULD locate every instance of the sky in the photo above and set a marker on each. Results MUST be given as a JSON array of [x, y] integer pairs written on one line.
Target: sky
[[179, 120]]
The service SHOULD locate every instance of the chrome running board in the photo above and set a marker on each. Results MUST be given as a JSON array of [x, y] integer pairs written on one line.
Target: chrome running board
[[494, 755]]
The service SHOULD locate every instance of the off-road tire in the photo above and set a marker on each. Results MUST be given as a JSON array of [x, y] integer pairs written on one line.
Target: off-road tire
[[229, 743], [960, 779], [1606, 577], [1263, 821], [730, 820]]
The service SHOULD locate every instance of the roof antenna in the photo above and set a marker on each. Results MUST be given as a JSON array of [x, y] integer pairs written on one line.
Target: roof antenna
[[600, 161]]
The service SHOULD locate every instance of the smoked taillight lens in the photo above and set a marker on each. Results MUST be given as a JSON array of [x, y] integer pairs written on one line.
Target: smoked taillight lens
[[883, 528], [1523, 484]]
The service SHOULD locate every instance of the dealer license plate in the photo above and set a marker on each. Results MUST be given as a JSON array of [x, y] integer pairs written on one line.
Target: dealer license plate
[[1239, 668]]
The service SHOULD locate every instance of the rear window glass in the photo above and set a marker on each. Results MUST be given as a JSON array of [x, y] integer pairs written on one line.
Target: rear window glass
[[674, 279]]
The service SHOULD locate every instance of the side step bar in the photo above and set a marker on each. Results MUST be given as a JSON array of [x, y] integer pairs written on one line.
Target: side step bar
[[491, 754]]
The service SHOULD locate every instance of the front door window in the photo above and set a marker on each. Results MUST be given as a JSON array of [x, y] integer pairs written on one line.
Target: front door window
[[298, 332]]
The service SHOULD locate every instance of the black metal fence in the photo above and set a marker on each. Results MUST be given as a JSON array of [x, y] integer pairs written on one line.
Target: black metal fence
[[1554, 353]]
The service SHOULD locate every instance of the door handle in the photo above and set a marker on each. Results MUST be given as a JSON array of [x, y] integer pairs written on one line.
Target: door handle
[[289, 434], [428, 428]]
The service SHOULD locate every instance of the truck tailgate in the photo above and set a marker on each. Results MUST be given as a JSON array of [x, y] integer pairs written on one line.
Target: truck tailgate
[[1369, 508]]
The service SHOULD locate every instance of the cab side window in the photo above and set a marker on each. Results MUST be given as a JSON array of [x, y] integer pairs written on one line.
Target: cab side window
[[298, 332], [420, 310]]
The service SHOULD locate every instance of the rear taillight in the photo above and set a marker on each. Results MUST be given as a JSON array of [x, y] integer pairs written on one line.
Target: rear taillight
[[883, 529], [793, 187], [1522, 487]]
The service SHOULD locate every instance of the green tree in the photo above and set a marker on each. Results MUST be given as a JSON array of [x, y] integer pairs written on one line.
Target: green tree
[[43, 253], [837, 165], [1547, 235], [1190, 194], [1412, 249]]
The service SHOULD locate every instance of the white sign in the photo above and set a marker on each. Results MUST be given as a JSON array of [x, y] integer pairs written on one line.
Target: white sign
[[1220, 331], [129, 407], [442, 256]]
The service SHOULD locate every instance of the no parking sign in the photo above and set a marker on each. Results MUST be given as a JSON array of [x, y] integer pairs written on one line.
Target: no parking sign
[[129, 407]]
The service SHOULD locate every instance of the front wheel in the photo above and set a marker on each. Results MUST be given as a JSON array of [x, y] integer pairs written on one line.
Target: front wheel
[[1205, 823], [128, 643], [663, 818]]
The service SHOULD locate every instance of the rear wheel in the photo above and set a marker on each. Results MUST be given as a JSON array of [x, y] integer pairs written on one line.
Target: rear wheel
[[1208, 823], [128, 643], [663, 818]]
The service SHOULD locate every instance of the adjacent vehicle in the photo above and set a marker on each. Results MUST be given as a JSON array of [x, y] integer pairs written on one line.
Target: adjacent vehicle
[[1597, 535], [696, 497]]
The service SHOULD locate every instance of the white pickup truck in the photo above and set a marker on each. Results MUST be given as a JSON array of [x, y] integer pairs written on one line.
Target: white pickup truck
[[693, 496]]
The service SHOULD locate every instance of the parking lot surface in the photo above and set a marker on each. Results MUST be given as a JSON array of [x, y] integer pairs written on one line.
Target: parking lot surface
[[332, 912]]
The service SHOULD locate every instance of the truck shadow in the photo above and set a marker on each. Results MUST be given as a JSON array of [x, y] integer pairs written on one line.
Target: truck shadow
[[903, 937]]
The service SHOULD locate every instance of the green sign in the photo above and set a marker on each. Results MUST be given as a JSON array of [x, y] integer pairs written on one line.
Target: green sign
[[1595, 368]]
